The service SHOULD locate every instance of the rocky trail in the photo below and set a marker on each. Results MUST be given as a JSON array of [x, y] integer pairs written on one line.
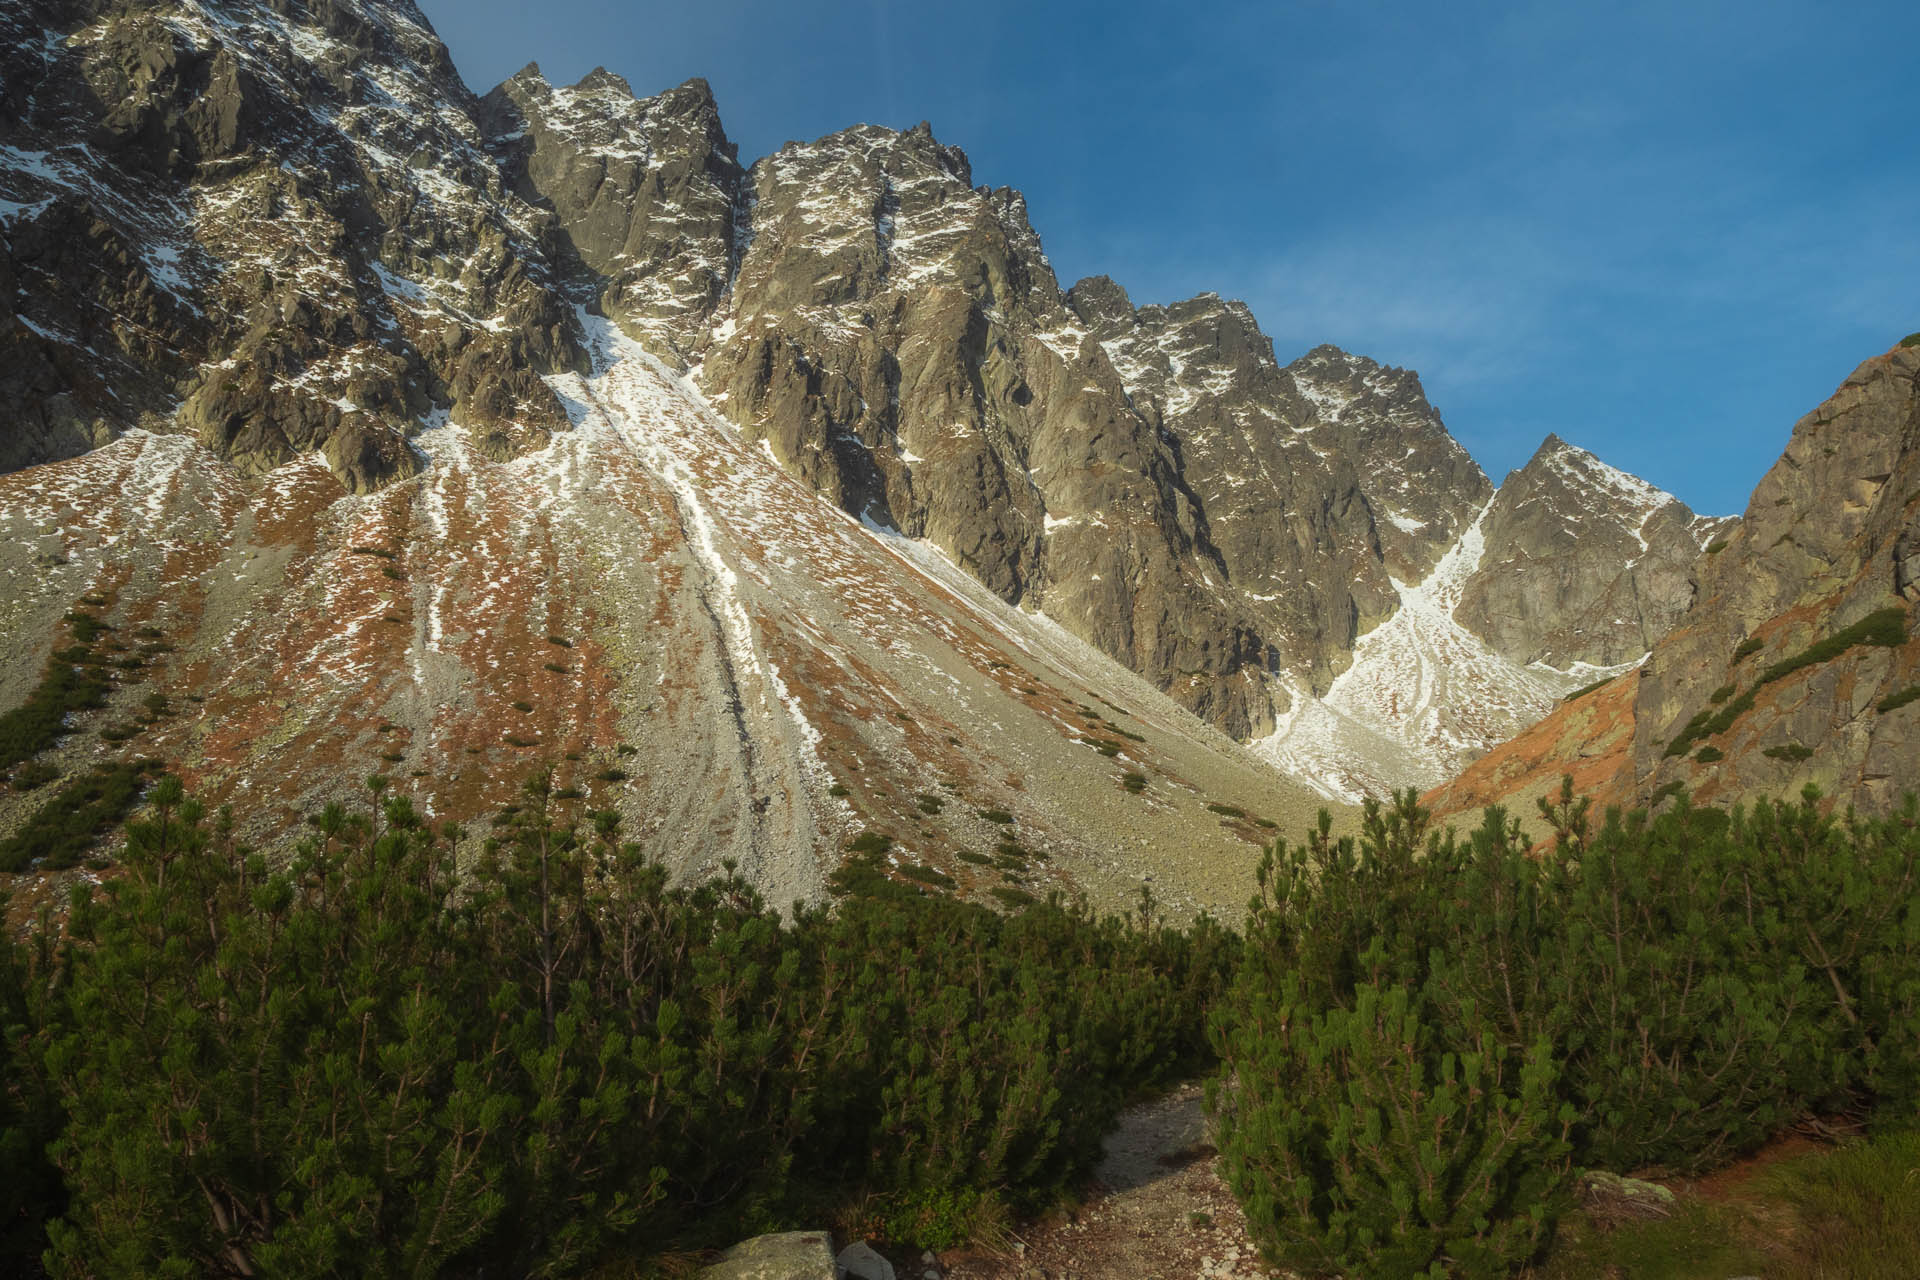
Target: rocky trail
[[1158, 1210]]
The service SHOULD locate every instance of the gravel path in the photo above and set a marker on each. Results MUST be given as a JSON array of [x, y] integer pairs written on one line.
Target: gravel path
[[1158, 1211]]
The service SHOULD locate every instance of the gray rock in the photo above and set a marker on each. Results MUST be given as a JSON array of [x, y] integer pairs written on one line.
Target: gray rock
[[858, 1261], [788, 1255], [1583, 563], [1826, 539]]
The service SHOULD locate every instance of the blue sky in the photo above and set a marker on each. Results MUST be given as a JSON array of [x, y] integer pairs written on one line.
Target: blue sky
[[1664, 231]]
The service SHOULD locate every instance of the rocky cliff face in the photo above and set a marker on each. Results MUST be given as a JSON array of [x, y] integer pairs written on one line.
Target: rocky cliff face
[[1795, 662], [1585, 564], [288, 230], [275, 227], [1826, 542]]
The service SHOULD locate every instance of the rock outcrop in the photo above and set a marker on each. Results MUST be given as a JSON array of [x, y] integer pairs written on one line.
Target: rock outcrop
[[1585, 564], [272, 226]]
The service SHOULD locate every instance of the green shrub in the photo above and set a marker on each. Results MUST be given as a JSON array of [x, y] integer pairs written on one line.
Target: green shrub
[[1746, 648], [1375, 1113], [929, 804], [1586, 689], [1721, 694], [1791, 751], [343, 1066], [839, 790], [1227, 810], [1715, 547], [927, 875], [1883, 627], [1000, 816], [1911, 340], [1134, 782], [70, 683], [1894, 701], [1709, 755], [71, 823]]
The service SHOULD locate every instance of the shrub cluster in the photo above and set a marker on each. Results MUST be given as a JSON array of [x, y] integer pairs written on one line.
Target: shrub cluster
[[1428, 1034], [359, 1062]]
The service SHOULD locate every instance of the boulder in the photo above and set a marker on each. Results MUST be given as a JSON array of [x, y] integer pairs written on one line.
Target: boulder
[[785, 1255]]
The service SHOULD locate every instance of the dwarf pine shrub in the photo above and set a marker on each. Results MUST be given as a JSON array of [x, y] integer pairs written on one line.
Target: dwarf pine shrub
[[353, 1060]]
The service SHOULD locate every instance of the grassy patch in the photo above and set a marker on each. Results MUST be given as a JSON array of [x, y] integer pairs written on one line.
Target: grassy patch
[[977, 859], [1721, 694], [1105, 747], [1134, 782], [928, 804], [1227, 810], [1792, 751], [1853, 1212]]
